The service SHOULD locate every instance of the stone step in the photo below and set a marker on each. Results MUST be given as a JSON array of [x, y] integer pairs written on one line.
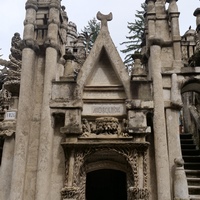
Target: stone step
[[194, 190], [192, 173], [190, 152], [193, 181], [185, 136], [193, 165], [191, 158], [194, 197], [188, 146], [187, 141]]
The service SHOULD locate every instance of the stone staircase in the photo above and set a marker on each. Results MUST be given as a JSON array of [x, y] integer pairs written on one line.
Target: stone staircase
[[191, 156]]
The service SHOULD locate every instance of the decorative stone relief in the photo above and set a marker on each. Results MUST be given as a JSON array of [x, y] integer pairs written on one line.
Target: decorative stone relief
[[5, 98], [104, 126], [138, 193], [77, 190]]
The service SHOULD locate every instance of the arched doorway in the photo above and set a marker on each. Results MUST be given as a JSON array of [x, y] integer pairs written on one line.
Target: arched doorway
[[106, 184]]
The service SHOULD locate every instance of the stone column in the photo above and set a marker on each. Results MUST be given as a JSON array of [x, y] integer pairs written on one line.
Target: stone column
[[43, 184], [8, 127], [6, 166], [172, 122], [151, 16], [25, 102], [174, 16], [160, 140]]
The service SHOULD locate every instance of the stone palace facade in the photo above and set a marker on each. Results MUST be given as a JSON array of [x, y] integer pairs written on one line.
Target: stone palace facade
[[78, 126]]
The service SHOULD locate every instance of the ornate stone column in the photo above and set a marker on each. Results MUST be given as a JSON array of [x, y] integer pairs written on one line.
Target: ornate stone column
[[24, 108], [47, 129], [160, 139]]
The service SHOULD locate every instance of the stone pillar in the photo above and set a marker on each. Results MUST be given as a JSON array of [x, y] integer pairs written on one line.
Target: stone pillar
[[71, 169], [174, 16], [151, 17], [43, 184], [160, 140], [6, 166], [69, 73], [172, 122], [25, 102], [180, 182]]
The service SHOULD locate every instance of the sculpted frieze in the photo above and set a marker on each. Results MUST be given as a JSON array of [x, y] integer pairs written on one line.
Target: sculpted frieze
[[105, 126]]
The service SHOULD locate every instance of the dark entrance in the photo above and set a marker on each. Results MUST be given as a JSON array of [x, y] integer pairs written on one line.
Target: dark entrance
[[106, 184]]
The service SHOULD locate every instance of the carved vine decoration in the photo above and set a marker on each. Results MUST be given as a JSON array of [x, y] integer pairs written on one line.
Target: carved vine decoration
[[145, 169], [79, 176]]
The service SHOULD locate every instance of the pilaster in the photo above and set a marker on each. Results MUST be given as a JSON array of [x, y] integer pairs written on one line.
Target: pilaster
[[176, 38], [47, 129]]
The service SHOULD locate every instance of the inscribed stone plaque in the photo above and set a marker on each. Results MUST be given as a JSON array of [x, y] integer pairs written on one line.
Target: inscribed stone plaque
[[10, 115], [104, 109]]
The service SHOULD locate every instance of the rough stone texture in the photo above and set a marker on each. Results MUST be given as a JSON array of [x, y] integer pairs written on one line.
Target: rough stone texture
[[79, 114]]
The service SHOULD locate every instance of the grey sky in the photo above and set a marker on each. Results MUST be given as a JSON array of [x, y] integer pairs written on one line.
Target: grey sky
[[81, 11]]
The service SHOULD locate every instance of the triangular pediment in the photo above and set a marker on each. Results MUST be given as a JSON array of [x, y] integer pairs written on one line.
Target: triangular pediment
[[103, 73], [104, 66]]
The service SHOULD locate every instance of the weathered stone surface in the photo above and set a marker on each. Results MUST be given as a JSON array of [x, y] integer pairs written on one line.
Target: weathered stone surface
[[80, 113]]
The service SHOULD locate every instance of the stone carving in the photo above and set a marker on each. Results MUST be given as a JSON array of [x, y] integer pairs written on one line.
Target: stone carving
[[105, 126], [77, 190], [138, 193], [7, 128], [5, 98], [85, 126], [69, 192], [104, 18], [10, 74], [145, 169]]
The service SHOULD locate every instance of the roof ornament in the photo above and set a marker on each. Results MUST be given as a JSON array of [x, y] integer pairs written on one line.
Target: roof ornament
[[104, 18]]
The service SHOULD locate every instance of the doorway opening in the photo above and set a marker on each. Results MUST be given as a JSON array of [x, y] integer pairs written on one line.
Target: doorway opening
[[106, 184]]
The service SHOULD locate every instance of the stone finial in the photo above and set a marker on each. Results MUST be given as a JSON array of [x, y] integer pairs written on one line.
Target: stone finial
[[179, 162], [104, 18]]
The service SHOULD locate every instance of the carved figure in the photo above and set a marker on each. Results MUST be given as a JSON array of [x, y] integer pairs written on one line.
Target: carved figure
[[85, 126]]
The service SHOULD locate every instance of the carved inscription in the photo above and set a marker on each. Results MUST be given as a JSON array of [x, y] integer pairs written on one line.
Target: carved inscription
[[104, 109]]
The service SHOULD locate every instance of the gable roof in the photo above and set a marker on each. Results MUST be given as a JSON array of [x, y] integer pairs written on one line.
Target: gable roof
[[104, 44]]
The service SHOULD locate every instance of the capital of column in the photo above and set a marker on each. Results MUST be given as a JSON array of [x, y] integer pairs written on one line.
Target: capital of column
[[30, 43], [156, 41], [29, 21], [55, 4], [53, 21], [31, 4], [7, 128], [52, 44]]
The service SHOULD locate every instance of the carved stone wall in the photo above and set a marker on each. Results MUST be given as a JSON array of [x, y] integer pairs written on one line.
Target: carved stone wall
[[128, 154]]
